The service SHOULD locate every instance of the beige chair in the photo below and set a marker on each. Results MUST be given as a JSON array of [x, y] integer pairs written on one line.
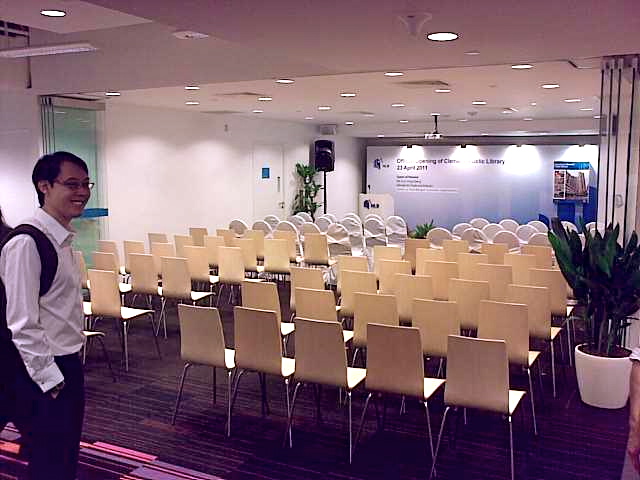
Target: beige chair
[[410, 247], [510, 322], [496, 252], [467, 263], [176, 284], [302, 277], [395, 366], [249, 256], [427, 255], [353, 282], [321, 359], [387, 270], [318, 305], [371, 308], [197, 235], [539, 313], [498, 276], [144, 277], [520, 265], [230, 271], [544, 254], [82, 268], [182, 241], [109, 246], [258, 242], [478, 377], [105, 302], [211, 243], [467, 294], [198, 265], [441, 273], [453, 247], [108, 261], [276, 257], [130, 247], [407, 288], [316, 250], [228, 235], [436, 320], [292, 243], [202, 343], [159, 250], [157, 238], [348, 262], [383, 252], [264, 296], [258, 348]]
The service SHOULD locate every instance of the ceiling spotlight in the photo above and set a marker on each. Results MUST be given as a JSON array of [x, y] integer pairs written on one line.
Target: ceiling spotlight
[[442, 36], [472, 52], [380, 135], [257, 111], [324, 108], [53, 13], [435, 114], [192, 103], [549, 86], [596, 116], [463, 119], [507, 111], [533, 104], [572, 100], [397, 105], [478, 102], [347, 94], [442, 90], [112, 94], [264, 99], [521, 66], [284, 80], [308, 118], [527, 119], [404, 121], [192, 87], [393, 74], [368, 114], [349, 123], [586, 109]]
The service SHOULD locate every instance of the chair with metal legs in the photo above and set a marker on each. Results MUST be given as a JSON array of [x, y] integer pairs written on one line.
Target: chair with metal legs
[[407, 288], [436, 320], [371, 308], [264, 296], [202, 343]]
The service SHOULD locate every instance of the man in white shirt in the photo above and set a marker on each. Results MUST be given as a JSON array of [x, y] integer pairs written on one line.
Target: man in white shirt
[[47, 330]]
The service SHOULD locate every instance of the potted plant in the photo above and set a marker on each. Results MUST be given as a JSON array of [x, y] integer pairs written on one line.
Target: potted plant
[[305, 199], [605, 278], [422, 229]]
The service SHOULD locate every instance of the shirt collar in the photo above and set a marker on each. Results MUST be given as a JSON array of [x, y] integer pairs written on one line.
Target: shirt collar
[[60, 233]]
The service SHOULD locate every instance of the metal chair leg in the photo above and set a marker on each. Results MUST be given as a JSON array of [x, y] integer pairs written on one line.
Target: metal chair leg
[[234, 394], [533, 406], [511, 446], [426, 409], [106, 356], [155, 337], [364, 412], [569, 327], [350, 427], [287, 432], [179, 397], [553, 370], [286, 391], [125, 346], [229, 388], [435, 454], [215, 387]]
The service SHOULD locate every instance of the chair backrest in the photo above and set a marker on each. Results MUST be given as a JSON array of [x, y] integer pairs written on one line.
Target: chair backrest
[[508, 322], [523, 232], [230, 265], [320, 354], [477, 374], [316, 304], [144, 276], [310, 227], [276, 255], [228, 235], [543, 254], [437, 235], [263, 227], [478, 222], [383, 252], [339, 240], [330, 216], [176, 280], [323, 223], [491, 229], [197, 235], [131, 246], [353, 282], [508, 238], [467, 263], [201, 335], [459, 228], [468, 294], [387, 272], [238, 227], [159, 250], [373, 216], [296, 222], [292, 238], [539, 239], [407, 289], [105, 295], [82, 267], [569, 226], [410, 247], [538, 307], [105, 261], [304, 278], [441, 272], [249, 255], [157, 238], [372, 308], [272, 221], [427, 255], [475, 237], [496, 252], [520, 264], [211, 243], [257, 340], [197, 263], [258, 241], [394, 360], [316, 249], [109, 246], [261, 296], [557, 285], [182, 241], [435, 320], [352, 224], [348, 262], [374, 231], [509, 224], [453, 247], [498, 276], [396, 229], [539, 226], [305, 216]]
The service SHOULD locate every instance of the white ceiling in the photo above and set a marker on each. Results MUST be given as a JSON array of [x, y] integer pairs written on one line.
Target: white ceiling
[[345, 45]]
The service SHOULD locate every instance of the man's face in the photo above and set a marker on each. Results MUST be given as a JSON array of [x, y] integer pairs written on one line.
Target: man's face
[[67, 196]]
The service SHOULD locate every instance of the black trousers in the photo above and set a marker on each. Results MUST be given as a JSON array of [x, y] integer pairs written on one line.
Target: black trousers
[[51, 427]]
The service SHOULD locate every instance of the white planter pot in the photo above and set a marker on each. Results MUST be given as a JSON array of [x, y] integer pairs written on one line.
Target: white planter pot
[[603, 382]]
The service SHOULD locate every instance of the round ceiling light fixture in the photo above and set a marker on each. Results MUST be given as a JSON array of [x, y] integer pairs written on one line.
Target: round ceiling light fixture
[[284, 81], [442, 36], [549, 86], [393, 74], [50, 12], [521, 66]]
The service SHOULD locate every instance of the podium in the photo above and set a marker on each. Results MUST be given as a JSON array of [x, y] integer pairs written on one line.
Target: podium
[[378, 203]]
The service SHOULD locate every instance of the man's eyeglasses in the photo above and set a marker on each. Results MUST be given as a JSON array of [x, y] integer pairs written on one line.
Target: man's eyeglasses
[[75, 186]]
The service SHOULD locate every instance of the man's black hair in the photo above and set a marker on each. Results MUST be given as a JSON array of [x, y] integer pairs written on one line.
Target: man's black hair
[[48, 168]]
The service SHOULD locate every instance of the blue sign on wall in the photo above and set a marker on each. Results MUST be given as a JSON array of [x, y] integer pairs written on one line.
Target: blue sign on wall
[[265, 172]]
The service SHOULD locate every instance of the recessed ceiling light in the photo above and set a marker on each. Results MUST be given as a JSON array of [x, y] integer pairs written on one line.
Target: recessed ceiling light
[[347, 94], [404, 121], [572, 100], [53, 13], [308, 118], [435, 114], [112, 94], [192, 103], [368, 115], [478, 102], [521, 66], [507, 111], [324, 108], [264, 99], [484, 134], [442, 36], [472, 52], [257, 111], [380, 135], [549, 86], [348, 123], [527, 119], [442, 90], [596, 116], [586, 109], [393, 74], [284, 80], [397, 105], [192, 87], [533, 104], [463, 119]]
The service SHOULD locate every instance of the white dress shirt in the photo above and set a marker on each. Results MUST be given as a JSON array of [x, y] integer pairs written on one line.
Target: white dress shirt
[[47, 326]]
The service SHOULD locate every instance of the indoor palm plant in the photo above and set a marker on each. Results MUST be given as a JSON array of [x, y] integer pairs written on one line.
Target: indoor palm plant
[[305, 199], [422, 229], [605, 277]]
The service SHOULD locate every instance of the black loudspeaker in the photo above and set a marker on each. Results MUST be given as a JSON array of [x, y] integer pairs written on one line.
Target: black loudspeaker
[[323, 157]]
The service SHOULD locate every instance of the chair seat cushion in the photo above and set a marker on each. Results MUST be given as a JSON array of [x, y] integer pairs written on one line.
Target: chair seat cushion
[[347, 335], [197, 296], [288, 366], [287, 328], [128, 313], [533, 356], [355, 376], [431, 385], [229, 358], [514, 399]]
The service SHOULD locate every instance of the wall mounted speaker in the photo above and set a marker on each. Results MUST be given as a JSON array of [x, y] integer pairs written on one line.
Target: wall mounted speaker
[[324, 157]]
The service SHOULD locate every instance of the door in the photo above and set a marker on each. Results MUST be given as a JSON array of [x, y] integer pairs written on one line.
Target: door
[[268, 181]]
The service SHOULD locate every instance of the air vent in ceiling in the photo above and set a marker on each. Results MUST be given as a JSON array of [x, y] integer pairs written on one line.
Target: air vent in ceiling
[[423, 84], [222, 112], [10, 30]]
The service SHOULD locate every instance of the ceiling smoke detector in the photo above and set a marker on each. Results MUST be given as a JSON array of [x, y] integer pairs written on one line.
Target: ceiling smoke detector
[[414, 21], [189, 35]]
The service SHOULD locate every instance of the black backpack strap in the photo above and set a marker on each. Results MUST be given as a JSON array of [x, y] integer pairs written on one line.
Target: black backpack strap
[[46, 250]]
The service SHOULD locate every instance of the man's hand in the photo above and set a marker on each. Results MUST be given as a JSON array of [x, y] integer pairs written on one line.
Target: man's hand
[[633, 449]]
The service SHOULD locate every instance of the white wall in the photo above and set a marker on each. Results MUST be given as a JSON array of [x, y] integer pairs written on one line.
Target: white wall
[[167, 170]]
